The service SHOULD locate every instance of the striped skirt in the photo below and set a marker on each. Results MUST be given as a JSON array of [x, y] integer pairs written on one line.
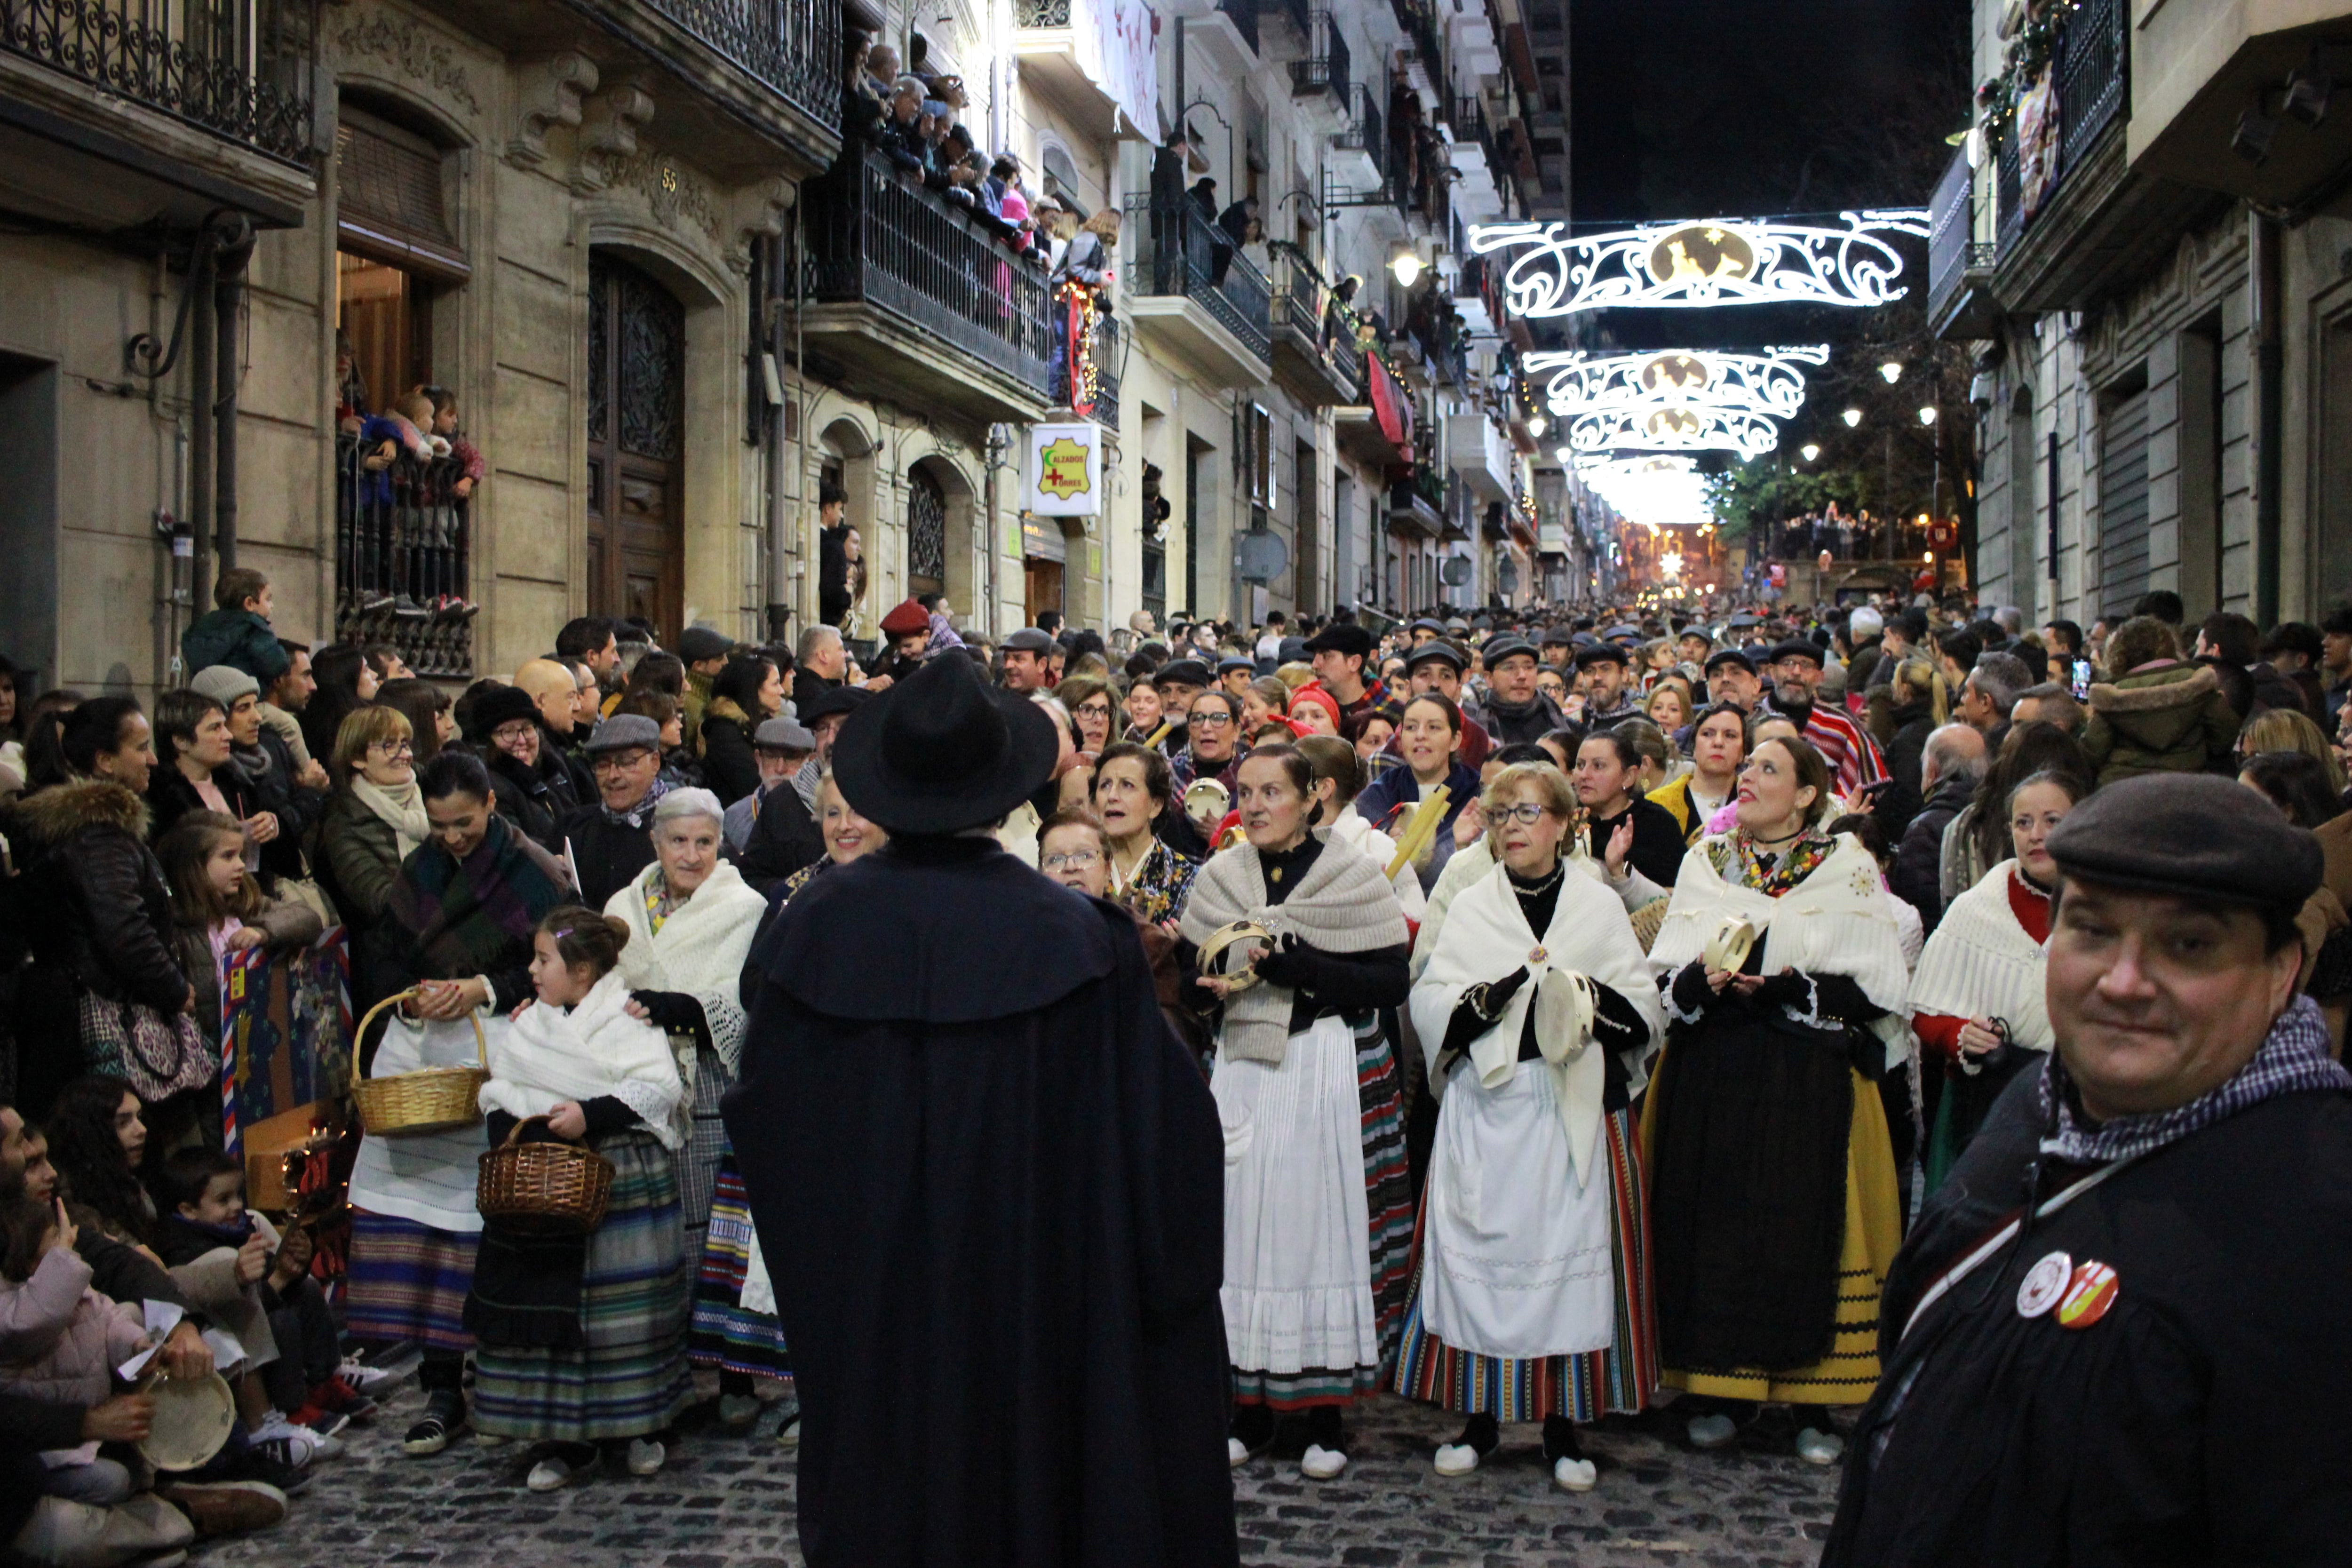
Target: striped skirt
[[1388, 1191], [629, 1378], [727, 1334], [408, 1282], [1581, 1387], [697, 1162]]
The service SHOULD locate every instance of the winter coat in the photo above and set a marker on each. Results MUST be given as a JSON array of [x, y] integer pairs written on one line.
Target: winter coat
[[783, 837], [59, 1340], [1918, 859], [288, 922], [2172, 718], [357, 854], [1900, 802], [171, 796], [532, 799], [238, 638], [728, 765]]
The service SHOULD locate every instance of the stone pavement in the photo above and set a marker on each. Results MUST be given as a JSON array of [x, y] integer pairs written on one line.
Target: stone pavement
[[725, 1501]]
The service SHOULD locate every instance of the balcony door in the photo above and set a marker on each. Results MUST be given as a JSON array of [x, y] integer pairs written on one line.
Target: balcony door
[[637, 446]]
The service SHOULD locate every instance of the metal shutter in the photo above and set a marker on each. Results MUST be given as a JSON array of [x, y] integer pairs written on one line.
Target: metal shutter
[[390, 194], [2123, 504]]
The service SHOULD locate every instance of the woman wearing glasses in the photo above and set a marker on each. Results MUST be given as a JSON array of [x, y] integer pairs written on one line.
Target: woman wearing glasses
[[375, 821], [1538, 1015]]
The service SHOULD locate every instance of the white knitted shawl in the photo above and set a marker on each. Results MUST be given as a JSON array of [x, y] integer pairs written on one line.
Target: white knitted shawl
[[594, 1049], [699, 949], [1342, 904], [1981, 964]]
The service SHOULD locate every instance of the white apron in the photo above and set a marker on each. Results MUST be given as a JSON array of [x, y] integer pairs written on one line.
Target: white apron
[[1298, 1272]]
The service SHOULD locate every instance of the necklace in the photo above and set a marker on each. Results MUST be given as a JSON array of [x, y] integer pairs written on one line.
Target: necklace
[[1536, 890]]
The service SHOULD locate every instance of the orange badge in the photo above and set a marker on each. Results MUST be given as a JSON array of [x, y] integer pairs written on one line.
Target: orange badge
[[2088, 1296]]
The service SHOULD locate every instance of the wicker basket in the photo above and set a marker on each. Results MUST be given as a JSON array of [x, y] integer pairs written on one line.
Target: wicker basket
[[430, 1099], [543, 1186]]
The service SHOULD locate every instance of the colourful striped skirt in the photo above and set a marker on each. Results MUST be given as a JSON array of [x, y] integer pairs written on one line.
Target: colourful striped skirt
[[1388, 1191], [408, 1282], [728, 1334], [629, 1378], [1581, 1387]]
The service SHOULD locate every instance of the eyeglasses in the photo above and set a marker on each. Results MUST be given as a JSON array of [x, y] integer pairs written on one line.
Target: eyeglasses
[[1210, 721], [1526, 814], [1075, 860], [393, 748], [1094, 709]]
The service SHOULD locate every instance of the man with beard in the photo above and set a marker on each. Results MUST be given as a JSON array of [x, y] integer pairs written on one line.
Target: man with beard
[[1341, 655], [1851, 754], [1606, 700], [1732, 680], [1516, 712], [986, 1184], [1179, 682]]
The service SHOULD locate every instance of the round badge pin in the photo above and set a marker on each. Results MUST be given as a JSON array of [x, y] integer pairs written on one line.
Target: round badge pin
[[2089, 1296], [2043, 1284], [1537, 956]]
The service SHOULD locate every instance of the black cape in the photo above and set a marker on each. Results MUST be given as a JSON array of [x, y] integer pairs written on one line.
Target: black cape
[[988, 1183], [2203, 1419]]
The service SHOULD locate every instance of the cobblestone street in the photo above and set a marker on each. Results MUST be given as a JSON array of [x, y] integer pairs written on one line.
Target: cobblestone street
[[727, 1502]]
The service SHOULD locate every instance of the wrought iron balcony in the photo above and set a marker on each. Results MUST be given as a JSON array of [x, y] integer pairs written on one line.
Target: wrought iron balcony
[[879, 239], [1326, 67], [1185, 254], [1108, 346], [2091, 67], [1958, 263], [792, 46], [1311, 333], [1367, 133], [241, 71], [1040, 12], [403, 550]]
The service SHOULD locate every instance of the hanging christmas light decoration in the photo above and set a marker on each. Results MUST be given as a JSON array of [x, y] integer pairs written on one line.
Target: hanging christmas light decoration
[[1660, 491], [1673, 427], [1767, 383], [1702, 263]]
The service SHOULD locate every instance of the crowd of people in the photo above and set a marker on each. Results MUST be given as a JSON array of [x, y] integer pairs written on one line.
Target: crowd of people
[[1587, 1007]]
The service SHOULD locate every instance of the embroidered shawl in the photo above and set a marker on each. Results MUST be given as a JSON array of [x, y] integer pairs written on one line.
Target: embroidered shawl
[[699, 950]]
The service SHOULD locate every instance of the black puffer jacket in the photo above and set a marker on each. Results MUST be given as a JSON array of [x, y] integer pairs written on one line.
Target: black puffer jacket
[[97, 917], [536, 798]]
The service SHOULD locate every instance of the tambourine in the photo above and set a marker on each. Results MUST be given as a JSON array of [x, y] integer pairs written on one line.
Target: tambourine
[[1223, 937], [1728, 948], [1206, 800]]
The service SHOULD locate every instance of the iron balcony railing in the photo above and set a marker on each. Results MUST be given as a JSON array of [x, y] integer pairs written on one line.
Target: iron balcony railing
[[1366, 133], [402, 550], [878, 239], [238, 68], [1326, 67], [1185, 254], [1040, 12], [1302, 304], [2092, 68], [1106, 357], [791, 45], [1953, 250]]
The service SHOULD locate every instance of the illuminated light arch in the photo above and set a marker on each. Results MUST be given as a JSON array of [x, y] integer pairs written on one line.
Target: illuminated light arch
[[1702, 263], [1673, 427], [1767, 383], [1655, 490]]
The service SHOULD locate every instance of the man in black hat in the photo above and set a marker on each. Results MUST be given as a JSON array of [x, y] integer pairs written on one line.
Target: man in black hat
[[1731, 678], [1853, 756], [1339, 653], [1178, 681], [1515, 711], [1234, 674], [2115, 1335], [1606, 700], [987, 1180], [703, 650], [1437, 667]]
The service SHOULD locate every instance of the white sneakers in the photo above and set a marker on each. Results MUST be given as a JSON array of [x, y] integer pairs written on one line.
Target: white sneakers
[[1456, 1459], [1816, 1447], [1319, 1463], [1574, 1475], [370, 1379], [303, 1446]]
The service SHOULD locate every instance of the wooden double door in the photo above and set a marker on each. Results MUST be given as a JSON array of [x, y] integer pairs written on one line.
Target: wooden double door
[[637, 447]]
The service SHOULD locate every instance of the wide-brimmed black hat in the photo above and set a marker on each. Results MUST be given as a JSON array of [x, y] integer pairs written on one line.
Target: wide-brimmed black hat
[[836, 700], [942, 752]]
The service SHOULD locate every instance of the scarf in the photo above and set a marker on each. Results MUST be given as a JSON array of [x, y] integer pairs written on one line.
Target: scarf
[[585, 1052], [1835, 919], [252, 763], [640, 815], [2294, 1060], [468, 918], [1981, 964], [1487, 936], [700, 948], [402, 808], [1343, 904]]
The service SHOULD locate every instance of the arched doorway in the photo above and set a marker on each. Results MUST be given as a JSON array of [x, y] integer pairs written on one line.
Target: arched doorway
[[637, 446], [927, 534]]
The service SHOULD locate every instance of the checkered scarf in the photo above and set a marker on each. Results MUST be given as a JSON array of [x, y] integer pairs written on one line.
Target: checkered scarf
[[2294, 1060]]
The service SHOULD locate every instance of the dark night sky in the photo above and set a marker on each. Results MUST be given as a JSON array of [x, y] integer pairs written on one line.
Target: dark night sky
[[1757, 108]]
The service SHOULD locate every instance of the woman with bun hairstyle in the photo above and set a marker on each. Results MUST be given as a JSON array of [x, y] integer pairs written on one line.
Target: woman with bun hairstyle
[[581, 1340]]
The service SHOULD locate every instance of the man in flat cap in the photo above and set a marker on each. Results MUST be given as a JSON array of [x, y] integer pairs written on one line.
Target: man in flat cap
[[1606, 699], [1516, 709], [1027, 655], [2115, 1335], [1853, 756], [1342, 654], [772, 829], [611, 841]]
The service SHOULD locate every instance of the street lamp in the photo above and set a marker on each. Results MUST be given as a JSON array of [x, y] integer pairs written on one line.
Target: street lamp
[[1535, 424], [1566, 454], [1926, 416], [1853, 416], [1892, 370], [1406, 264], [1810, 451]]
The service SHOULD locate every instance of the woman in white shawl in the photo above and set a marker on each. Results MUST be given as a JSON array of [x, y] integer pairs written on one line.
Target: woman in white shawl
[[1539, 1015], [690, 917], [1976, 1003], [1319, 1211], [581, 1340], [1773, 1204]]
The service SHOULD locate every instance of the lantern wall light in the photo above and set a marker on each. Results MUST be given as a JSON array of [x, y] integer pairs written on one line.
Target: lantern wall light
[[1892, 370], [1926, 416], [1852, 417]]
